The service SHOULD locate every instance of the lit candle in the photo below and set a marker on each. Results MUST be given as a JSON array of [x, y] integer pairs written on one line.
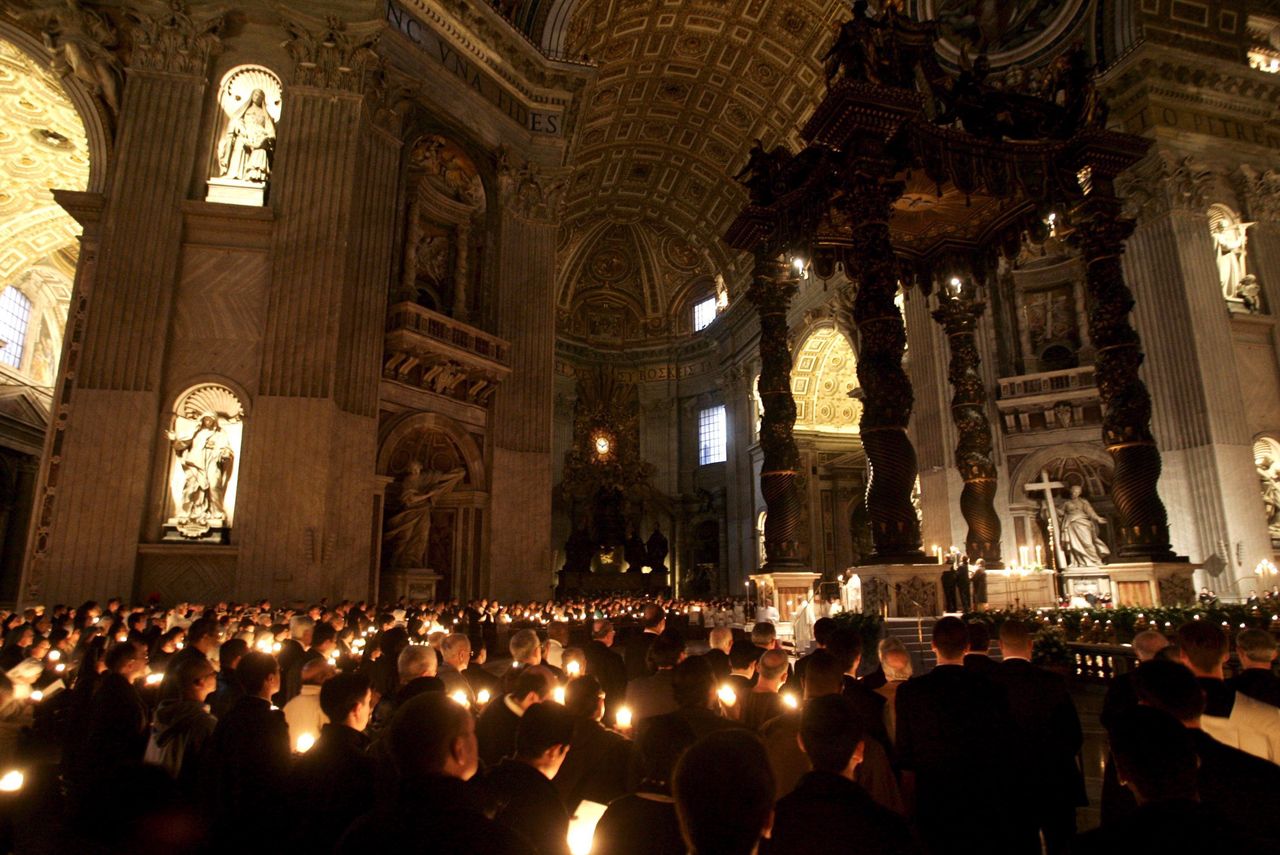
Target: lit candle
[[573, 668], [1038, 559], [11, 781], [727, 695], [1022, 555], [153, 679], [459, 697], [789, 700], [304, 743], [623, 717], [37, 696], [482, 697], [558, 694]]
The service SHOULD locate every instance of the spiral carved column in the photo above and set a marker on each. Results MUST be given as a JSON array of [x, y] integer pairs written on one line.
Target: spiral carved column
[[958, 317], [887, 395], [772, 288], [1100, 232]]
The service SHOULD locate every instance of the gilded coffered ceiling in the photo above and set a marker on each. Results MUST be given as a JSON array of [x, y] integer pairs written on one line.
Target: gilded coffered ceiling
[[42, 146], [683, 88]]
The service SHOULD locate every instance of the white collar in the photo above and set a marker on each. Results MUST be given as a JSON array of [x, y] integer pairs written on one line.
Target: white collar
[[513, 706]]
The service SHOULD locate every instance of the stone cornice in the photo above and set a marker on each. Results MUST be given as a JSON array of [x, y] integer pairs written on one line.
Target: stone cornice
[[488, 39], [1160, 72]]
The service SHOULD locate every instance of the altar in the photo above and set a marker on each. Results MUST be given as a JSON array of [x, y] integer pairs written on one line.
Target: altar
[[1138, 583], [786, 591]]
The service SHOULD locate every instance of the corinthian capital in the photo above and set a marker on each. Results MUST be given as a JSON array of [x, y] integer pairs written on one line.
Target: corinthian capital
[[172, 41], [329, 53]]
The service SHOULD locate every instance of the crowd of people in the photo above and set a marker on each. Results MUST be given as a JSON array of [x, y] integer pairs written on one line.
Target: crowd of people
[[611, 726]]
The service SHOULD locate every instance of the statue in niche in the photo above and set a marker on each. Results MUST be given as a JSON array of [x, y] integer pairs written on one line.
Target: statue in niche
[[656, 550], [244, 153], [1230, 241], [1063, 413], [1269, 476], [633, 549], [1078, 528], [433, 261], [205, 456], [408, 532]]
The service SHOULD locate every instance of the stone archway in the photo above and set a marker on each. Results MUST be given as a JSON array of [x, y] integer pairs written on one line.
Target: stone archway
[[429, 454]]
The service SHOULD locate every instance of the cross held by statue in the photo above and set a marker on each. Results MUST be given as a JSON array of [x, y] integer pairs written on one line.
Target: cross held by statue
[[1047, 486]]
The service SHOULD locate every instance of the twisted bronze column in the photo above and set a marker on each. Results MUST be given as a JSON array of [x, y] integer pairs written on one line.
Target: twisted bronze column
[[958, 316], [772, 287], [886, 390], [1100, 232]]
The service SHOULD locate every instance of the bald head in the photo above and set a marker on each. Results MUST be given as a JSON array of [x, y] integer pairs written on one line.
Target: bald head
[[773, 666], [1148, 643], [722, 638]]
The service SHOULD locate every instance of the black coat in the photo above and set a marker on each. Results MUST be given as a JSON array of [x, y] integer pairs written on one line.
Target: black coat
[[947, 722], [435, 814], [845, 814], [639, 824], [636, 652], [330, 787], [1173, 827], [604, 663], [496, 731], [249, 760], [1048, 729], [525, 801], [595, 769], [118, 727], [1258, 684], [1242, 789]]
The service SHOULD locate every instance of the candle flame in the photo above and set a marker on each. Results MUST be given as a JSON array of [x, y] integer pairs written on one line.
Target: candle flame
[[727, 695], [11, 781], [482, 696], [304, 743], [623, 717]]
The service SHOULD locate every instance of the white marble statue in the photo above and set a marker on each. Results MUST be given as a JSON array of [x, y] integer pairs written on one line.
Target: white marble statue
[[408, 532], [245, 150], [1078, 530], [1269, 476], [205, 456], [1230, 240]]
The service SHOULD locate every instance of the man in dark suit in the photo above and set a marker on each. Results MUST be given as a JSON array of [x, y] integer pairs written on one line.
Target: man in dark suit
[[827, 798], [496, 729], [332, 784], [823, 629], [1257, 678], [1244, 790], [292, 651], [636, 652], [720, 641], [1157, 761], [947, 724], [596, 766], [1048, 734], [433, 742], [607, 666], [202, 639], [652, 695], [694, 689], [118, 719], [1122, 696], [950, 603], [978, 659], [964, 591], [520, 788], [249, 756], [846, 647]]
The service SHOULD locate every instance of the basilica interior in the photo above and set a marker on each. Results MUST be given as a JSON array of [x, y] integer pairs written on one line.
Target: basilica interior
[[373, 299]]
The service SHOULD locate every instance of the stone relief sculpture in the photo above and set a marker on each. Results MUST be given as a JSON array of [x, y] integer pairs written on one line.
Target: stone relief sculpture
[[204, 436], [250, 102], [1230, 240], [82, 43], [1078, 528], [1266, 458], [408, 532]]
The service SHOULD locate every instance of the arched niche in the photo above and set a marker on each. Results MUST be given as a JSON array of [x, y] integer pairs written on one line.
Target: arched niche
[[823, 374], [1266, 459], [1230, 234], [204, 437], [1071, 464], [433, 513], [444, 235], [250, 98]]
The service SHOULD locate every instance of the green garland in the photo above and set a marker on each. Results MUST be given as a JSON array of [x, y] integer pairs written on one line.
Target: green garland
[[868, 627], [1120, 625]]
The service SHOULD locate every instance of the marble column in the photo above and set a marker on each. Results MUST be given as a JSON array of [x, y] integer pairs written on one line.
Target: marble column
[[520, 565], [308, 493], [1100, 233], [95, 482], [958, 314], [773, 285], [887, 393]]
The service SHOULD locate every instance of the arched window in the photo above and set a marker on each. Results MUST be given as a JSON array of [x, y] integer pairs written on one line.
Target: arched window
[[15, 317]]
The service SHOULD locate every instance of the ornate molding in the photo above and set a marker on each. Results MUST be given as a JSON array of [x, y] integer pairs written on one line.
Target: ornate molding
[[1163, 182], [528, 191], [330, 54], [1260, 192], [174, 42]]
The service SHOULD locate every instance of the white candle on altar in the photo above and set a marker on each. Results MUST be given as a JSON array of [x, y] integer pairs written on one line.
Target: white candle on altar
[[1038, 556], [1022, 555]]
